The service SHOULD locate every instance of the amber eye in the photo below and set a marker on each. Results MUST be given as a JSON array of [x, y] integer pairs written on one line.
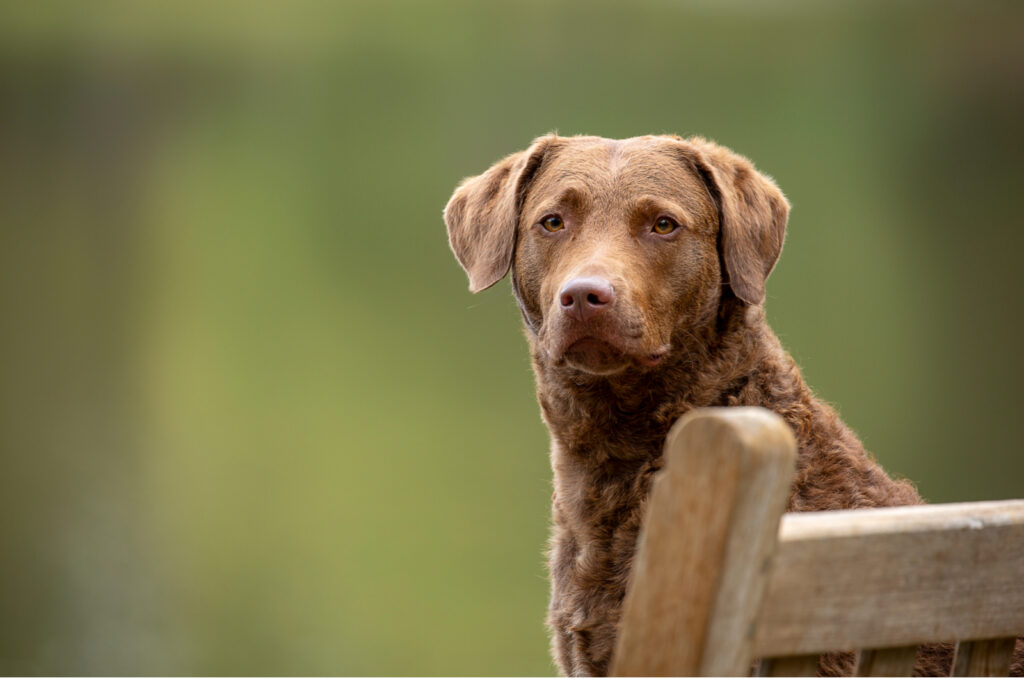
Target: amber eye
[[552, 223], [664, 226]]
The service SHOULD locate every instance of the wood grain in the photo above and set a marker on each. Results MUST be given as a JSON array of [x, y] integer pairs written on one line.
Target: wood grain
[[798, 665], [892, 661], [889, 577], [704, 552], [984, 657]]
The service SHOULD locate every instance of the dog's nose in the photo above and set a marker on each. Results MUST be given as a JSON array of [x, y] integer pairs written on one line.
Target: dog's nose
[[583, 298]]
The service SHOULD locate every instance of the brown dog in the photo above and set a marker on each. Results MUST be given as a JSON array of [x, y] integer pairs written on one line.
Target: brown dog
[[639, 267]]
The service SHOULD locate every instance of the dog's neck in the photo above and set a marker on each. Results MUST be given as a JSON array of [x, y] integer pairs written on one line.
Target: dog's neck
[[624, 418]]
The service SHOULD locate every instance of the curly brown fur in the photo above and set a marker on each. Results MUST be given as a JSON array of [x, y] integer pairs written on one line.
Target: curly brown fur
[[665, 322]]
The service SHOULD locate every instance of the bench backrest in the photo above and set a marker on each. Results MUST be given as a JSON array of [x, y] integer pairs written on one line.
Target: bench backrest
[[722, 577]]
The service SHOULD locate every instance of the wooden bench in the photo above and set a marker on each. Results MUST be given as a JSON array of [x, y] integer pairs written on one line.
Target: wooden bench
[[723, 577]]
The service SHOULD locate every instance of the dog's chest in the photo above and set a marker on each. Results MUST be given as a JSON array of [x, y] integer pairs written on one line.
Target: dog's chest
[[603, 463], [599, 510]]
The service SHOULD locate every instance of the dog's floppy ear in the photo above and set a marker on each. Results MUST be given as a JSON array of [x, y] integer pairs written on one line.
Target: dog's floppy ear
[[753, 217], [483, 214]]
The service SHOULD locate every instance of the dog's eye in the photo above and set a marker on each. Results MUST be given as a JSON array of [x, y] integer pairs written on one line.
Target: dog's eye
[[552, 223], [664, 226]]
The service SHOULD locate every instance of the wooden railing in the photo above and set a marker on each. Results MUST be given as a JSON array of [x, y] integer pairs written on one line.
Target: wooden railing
[[723, 577]]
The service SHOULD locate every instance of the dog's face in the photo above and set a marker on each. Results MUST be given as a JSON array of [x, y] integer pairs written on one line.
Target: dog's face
[[617, 247]]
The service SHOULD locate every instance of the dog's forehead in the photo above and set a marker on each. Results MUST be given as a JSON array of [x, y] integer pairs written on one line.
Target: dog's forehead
[[652, 165]]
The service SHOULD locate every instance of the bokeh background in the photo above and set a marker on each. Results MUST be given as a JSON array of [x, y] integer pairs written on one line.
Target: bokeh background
[[252, 422]]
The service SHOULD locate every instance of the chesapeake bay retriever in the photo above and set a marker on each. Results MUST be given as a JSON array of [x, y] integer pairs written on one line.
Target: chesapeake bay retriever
[[639, 266]]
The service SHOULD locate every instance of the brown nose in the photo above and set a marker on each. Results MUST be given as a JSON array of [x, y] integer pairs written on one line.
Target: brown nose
[[583, 298]]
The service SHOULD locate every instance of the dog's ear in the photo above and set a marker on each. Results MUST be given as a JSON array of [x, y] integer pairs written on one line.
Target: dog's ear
[[753, 217], [483, 214]]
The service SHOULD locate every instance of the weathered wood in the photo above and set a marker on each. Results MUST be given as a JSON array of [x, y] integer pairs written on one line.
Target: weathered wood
[[891, 661], [984, 657], [799, 665], [703, 555], [890, 577]]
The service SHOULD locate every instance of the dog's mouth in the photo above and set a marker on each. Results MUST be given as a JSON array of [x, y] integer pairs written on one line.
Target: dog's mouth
[[602, 357]]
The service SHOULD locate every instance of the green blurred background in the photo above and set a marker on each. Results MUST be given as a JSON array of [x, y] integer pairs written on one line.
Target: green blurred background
[[252, 422]]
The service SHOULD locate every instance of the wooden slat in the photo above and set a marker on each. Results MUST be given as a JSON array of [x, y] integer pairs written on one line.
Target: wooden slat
[[799, 665], [890, 577], [892, 661], [703, 554], [984, 657]]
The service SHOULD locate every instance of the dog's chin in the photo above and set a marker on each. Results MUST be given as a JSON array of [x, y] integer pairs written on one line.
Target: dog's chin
[[596, 356]]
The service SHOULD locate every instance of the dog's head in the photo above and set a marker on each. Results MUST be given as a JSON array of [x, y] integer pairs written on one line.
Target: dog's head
[[618, 247]]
